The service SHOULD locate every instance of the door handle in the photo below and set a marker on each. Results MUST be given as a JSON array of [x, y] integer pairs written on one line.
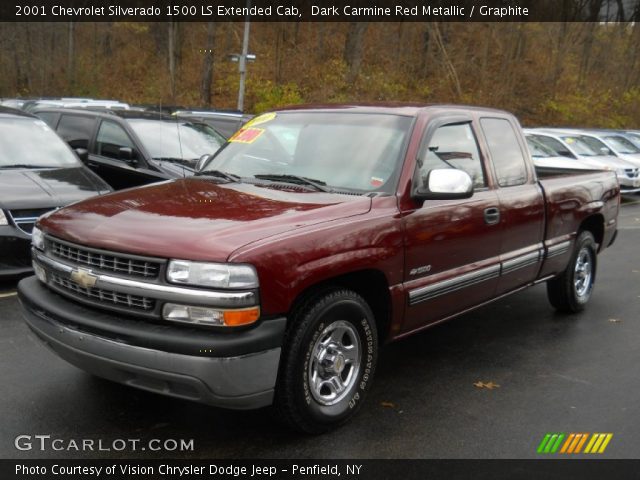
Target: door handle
[[491, 215]]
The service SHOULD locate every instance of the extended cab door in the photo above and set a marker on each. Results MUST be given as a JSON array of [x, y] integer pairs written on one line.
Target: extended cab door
[[521, 203], [452, 247]]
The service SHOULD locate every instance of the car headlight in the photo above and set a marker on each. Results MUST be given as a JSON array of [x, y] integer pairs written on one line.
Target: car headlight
[[217, 275], [3, 218], [37, 238]]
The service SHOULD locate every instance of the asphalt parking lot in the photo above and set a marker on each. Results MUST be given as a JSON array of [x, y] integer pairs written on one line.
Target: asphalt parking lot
[[555, 373]]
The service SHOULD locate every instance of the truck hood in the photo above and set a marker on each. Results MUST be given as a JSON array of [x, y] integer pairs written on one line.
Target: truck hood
[[47, 188], [196, 219]]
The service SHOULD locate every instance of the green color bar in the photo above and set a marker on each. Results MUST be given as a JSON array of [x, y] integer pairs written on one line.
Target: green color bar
[[543, 443], [550, 443], [554, 449]]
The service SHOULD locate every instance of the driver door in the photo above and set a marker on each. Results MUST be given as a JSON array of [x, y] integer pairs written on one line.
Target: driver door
[[452, 247]]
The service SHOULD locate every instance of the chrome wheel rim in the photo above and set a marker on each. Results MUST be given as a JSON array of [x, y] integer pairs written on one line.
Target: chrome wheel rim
[[335, 363], [583, 273]]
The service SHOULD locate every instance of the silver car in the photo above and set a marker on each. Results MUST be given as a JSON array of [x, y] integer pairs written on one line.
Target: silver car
[[574, 144]]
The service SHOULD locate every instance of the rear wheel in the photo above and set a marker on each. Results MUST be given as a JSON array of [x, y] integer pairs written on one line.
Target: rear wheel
[[327, 363], [571, 290]]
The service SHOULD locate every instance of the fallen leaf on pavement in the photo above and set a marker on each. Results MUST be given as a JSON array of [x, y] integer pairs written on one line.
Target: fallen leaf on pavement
[[489, 385], [388, 404], [615, 320]]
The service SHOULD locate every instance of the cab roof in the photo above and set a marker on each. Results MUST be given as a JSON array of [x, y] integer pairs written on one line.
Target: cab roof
[[392, 108]]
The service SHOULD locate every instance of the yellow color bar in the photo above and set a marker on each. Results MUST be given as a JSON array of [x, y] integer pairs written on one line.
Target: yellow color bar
[[607, 439], [596, 445], [591, 442]]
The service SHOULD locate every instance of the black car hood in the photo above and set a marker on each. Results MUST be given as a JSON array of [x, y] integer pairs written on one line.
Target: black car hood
[[47, 187]]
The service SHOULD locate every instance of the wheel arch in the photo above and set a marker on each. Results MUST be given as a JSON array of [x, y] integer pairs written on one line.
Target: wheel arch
[[594, 224], [370, 284]]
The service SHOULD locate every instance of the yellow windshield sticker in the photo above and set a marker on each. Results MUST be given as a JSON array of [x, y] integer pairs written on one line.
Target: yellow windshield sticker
[[247, 135], [264, 118], [569, 140]]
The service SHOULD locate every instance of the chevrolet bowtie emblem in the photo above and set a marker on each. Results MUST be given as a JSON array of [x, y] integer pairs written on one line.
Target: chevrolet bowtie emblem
[[84, 278]]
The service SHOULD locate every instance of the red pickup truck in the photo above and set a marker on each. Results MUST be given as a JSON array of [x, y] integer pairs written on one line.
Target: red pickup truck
[[308, 240]]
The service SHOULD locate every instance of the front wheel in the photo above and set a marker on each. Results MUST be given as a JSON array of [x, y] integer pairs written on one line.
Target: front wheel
[[571, 290], [327, 363]]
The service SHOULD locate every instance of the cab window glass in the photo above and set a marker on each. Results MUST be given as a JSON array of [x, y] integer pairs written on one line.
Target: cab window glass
[[506, 154], [453, 146]]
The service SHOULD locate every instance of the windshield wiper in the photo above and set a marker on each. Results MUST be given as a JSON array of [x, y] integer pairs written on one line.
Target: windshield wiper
[[182, 161], [295, 179], [220, 174], [24, 165]]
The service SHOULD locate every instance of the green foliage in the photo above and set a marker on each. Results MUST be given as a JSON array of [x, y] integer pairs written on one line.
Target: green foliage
[[269, 96]]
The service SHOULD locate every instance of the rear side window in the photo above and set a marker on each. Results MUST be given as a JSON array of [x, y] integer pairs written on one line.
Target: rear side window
[[49, 117], [111, 138], [507, 156], [76, 130], [453, 146]]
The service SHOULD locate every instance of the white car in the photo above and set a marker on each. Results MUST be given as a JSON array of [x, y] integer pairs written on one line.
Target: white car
[[619, 143], [575, 145], [545, 157]]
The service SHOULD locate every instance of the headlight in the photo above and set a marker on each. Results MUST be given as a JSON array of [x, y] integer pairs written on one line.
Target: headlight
[[210, 316], [217, 275], [37, 238], [3, 219]]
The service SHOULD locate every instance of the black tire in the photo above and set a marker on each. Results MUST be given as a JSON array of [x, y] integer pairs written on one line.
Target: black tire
[[313, 362], [566, 292]]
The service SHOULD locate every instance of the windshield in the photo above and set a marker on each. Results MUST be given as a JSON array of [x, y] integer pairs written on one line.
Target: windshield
[[621, 144], [172, 140], [538, 150], [584, 146], [352, 151], [28, 142]]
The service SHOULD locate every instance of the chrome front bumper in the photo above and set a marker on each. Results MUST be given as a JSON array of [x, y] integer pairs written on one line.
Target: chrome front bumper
[[236, 377]]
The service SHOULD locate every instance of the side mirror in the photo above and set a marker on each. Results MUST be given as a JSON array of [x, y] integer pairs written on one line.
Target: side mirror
[[444, 184], [201, 161], [126, 154], [82, 153], [565, 153], [605, 151]]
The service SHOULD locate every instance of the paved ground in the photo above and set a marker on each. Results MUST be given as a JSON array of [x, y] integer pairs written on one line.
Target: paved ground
[[556, 374]]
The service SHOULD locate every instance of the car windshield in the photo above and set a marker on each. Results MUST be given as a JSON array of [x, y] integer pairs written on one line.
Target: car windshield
[[538, 150], [176, 140], [30, 143], [584, 146], [352, 151], [621, 144]]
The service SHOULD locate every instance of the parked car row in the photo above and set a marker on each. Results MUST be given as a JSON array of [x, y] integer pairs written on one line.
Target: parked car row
[[110, 145], [617, 150]]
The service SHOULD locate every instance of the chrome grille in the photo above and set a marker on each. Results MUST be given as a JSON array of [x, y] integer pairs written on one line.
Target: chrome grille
[[106, 261], [104, 296], [26, 219]]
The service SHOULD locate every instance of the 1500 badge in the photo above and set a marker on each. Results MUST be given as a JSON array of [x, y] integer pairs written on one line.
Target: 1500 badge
[[420, 270]]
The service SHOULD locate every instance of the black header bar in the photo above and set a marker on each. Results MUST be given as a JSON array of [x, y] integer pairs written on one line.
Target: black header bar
[[319, 11]]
